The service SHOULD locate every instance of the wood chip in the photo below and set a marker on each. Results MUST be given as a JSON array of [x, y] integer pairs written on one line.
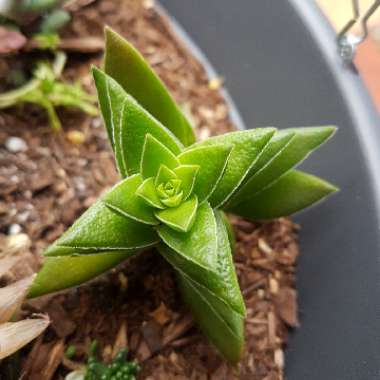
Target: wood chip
[[61, 323], [50, 360], [286, 302], [143, 352], [271, 329], [152, 333], [121, 341], [273, 285], [162, 315], [264, 247], [177, 330]]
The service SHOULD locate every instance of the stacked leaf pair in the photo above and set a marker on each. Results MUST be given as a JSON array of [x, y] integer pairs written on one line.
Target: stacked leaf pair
[[163, 191], [173, 193]]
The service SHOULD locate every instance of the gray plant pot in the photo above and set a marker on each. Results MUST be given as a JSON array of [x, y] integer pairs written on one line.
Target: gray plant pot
[[281, 67]]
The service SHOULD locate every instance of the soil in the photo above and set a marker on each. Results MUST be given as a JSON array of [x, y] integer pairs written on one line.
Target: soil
[[50, 181]]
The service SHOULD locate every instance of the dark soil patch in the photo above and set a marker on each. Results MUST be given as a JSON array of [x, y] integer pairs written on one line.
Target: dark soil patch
[[44, 188]]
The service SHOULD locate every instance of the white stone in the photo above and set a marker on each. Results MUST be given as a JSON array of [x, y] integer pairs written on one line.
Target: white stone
[[14, 229], [96, 122], [18, 242], [15, 144]]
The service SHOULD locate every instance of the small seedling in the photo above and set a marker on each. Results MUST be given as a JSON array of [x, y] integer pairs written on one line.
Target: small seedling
[[47, 41], [119, 369], [46, 15], [70, 352], [46, 90], [174, 192]]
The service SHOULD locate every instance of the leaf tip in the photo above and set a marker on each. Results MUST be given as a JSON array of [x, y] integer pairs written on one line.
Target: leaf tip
[[331, 130], [97, 73], [330, 188], [116, 41], [109, 33], [327, 131]]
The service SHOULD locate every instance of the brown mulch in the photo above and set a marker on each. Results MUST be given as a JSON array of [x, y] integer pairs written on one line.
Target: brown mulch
[[49, 182]]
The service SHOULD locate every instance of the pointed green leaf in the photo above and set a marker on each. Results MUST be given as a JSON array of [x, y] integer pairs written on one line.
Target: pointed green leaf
[[198, 245], [164, 175], [134, 125], [293, 192], [154, 155], [187, 174], [203, 254], [246, 147], [275, 146], [180, 218], [64, 272], [229, 229], [218, 322], [101, 88], [226, 268], [147, 192], [123, 199], [101, 229], [111, 117], [118, 115], [212, 161], [126, 65], [278, 159]]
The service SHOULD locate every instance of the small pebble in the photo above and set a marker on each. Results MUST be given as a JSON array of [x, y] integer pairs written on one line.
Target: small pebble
[[279, 358], [148, 4], [13, 178], [61, 172], [28, 195], [82, 161], [215, 83], [204, 133], [14, 229], [23, 216], [76, 137], [15, 144], [261, 293], [79, 184], [96, 122], [17, 242]]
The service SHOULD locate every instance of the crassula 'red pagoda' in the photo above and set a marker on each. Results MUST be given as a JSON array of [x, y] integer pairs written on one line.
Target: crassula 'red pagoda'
[[173, 193]]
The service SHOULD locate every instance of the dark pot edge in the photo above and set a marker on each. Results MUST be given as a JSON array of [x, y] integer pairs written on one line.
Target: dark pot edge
[[353, 89]]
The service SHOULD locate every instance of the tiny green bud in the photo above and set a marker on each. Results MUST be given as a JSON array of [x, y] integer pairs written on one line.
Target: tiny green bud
[[70, 352]]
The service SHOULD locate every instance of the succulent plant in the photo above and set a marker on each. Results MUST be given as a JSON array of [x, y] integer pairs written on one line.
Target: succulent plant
[[45, 87], [119, 369], [14, 335], [47, 91], [174, 192], [23, 12]]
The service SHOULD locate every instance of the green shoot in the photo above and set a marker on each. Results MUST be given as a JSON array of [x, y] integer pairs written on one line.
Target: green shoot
[[46, 90], [119, 369]]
